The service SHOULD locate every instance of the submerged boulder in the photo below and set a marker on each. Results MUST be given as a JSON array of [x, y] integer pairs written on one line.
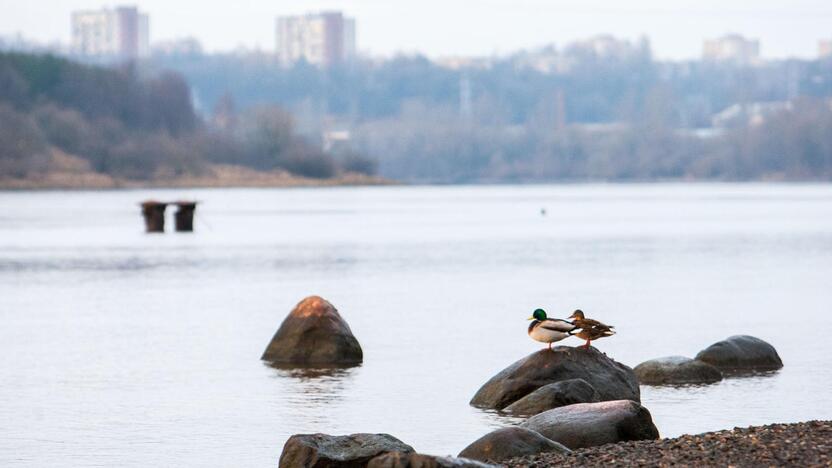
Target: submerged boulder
[[590, 424], [741, 353], [612, 380], [314, 333], [510, 442], [327, 451], [554, 395], [418, 460], [674, 370]]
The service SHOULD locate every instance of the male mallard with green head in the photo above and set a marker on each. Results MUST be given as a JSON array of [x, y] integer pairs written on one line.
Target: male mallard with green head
[[546, 330], [589, 329]]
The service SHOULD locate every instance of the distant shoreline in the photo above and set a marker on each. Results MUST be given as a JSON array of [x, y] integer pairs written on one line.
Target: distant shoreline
[[215, 176]]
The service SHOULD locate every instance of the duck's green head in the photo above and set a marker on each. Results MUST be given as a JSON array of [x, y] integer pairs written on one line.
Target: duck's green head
[[538, 314]]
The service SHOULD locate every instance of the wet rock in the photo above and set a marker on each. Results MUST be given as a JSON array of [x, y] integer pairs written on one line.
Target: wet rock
[[313, 334], [327, 451], [591, 424], [510, 442], [418, 460], [554, 395], [612, 380], [674, 370], [741, 353]]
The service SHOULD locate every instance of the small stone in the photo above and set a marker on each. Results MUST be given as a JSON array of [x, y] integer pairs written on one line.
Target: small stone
[[741, 353], [676, 370], [328, 451], [418, 460], [510, 442], [554, 395]]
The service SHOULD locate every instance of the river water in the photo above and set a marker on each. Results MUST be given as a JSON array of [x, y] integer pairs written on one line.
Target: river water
[[119, 348]]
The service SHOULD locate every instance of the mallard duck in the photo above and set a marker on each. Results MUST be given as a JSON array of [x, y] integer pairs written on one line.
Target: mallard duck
[[589, 329], [548, 330]]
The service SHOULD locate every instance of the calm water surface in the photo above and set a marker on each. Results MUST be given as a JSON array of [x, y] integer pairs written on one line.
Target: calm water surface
[[124, 349]]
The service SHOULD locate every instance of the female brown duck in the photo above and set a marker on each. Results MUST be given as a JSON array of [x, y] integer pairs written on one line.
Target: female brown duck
[[589, 329]]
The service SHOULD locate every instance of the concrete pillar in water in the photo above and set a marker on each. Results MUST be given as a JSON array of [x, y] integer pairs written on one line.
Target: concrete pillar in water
[[154, 215], [184, 216]]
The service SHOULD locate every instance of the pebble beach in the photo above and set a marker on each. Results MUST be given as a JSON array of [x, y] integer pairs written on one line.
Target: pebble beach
[[801, 444]]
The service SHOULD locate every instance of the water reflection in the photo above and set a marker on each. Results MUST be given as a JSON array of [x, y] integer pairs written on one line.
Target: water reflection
[[311, 388], [496, 419], [457, 263], [748, 374], [310, 372], [680, 386]]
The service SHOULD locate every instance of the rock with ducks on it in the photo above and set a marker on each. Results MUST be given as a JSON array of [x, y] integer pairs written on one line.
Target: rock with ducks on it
[[612, 380]]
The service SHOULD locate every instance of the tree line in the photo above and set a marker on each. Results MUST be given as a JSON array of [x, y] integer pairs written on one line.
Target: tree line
[[129, 123], [591, 115]]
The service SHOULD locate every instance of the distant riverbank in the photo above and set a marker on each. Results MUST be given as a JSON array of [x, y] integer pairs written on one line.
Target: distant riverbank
[[69, 172], [799, 444]]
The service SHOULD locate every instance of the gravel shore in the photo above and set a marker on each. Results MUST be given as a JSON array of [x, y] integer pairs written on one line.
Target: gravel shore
[[800, 444]]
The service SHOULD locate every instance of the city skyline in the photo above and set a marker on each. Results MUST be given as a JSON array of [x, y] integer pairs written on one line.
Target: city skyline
[[496, 27]]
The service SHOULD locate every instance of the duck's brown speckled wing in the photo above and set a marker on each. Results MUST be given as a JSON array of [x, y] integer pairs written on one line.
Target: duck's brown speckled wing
[[593, 329]]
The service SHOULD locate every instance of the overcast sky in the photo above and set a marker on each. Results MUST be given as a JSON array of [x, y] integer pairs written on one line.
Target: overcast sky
[[463, 27]]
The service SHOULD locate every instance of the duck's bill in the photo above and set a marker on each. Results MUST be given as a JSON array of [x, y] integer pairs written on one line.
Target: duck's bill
[[530, 318]]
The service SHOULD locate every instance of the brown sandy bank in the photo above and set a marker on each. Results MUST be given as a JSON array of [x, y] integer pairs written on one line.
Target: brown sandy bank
[[70, 172]]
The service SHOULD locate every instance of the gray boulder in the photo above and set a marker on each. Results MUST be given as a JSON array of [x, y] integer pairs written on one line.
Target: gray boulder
[[612, 380], [675, 370], [418, 460], [510, 442], [313, 334], [554, 395], [327, 451], [741, 353], [591, 424]]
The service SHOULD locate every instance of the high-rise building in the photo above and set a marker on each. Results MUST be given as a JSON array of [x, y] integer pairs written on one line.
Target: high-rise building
[[119, 33], [322, 39], [732, 48]]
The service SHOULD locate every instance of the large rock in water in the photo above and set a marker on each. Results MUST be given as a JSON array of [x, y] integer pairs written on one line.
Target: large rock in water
[[741, 353], [417, 460], [510, 442], [314, 334], [591, 424], [612, 380], [674, 370], [554, 395], [327, 451]]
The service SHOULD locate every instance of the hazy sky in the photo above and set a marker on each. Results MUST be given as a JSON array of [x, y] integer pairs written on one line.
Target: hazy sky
[[463, 27]]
